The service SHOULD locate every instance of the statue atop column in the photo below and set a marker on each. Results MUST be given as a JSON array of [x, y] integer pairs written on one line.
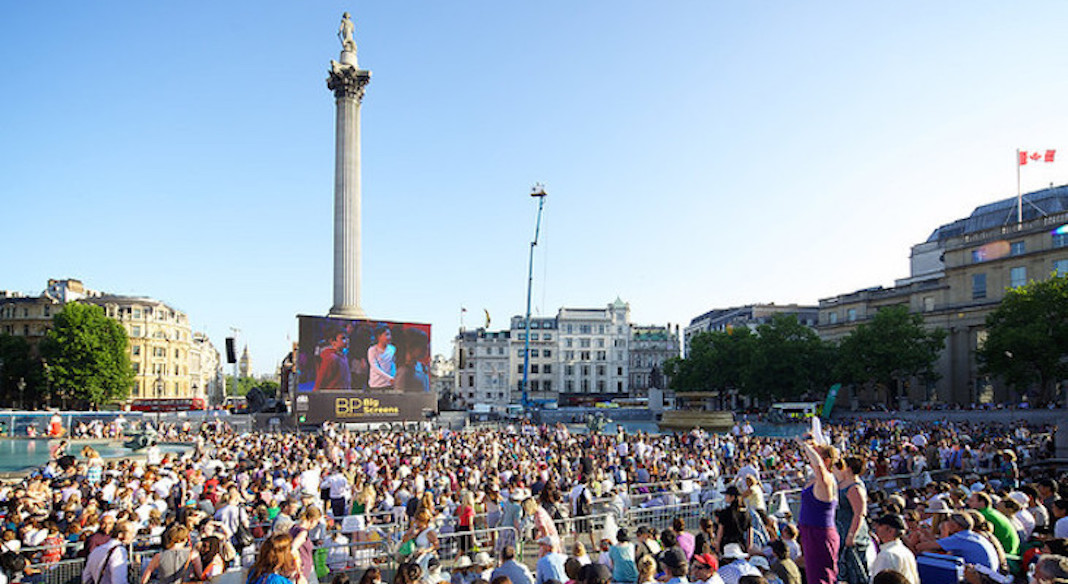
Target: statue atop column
[[346, 77], [344, 34]]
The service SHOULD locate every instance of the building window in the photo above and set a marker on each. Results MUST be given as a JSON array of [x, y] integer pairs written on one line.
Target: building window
[[584, 343], [601, 356], [547, 336], [135, 350], [585, 370], [569, 385], [619, 386], [584, 329], [533, 352], [851, 315], [585, 385], [600, 370], [832, 317], [600, 343], [547, 385], [569, 369], [928, 303], [600, 386], [534, 368], [519, 369], [534, 385], [1060, 237], [569, 355], [584, 355], [547, 353], [567, 342], [978, 286], [978, 256], [619, 371], [1017, 248], [47, 310], [1018, 276], [1060, 267], [547, 368]]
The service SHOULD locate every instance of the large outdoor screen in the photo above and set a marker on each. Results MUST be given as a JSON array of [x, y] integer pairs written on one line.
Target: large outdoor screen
[[362, 371]]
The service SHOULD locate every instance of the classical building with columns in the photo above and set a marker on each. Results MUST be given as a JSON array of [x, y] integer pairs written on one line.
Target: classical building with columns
[[168, 358], [958, 277]]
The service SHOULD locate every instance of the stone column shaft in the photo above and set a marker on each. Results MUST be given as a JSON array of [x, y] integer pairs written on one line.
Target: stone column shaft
[[347, 83]]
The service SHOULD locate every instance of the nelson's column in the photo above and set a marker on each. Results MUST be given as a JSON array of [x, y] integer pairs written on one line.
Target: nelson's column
[[347, 81]]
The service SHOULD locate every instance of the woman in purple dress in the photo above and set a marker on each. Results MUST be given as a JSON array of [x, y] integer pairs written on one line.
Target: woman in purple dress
[[819, 537]]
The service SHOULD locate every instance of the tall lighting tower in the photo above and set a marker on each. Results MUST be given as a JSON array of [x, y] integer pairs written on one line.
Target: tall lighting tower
[[539, 193]]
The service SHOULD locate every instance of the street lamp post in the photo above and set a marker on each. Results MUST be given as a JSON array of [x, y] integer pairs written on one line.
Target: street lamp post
[[539, 193]]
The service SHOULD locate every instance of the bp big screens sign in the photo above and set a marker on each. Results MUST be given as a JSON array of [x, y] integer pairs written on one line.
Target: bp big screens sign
[[362, 371]]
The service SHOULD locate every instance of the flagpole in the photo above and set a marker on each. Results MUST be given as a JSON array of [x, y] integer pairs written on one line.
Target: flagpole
[[1019, 193]]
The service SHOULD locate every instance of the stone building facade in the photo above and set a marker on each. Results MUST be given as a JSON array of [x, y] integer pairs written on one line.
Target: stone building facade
[[958, 277]]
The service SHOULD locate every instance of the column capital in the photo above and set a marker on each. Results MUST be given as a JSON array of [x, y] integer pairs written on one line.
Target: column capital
[[347, 81]]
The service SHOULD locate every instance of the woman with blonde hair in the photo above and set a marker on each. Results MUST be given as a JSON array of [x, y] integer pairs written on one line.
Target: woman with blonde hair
[[465, 515], [424, 536], [543, 522], [646, 570], [276, 563]]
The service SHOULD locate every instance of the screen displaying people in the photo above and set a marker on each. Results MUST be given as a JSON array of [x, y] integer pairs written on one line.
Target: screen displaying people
[[359, 355]]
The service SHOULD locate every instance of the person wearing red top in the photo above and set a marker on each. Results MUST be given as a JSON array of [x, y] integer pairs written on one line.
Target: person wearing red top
[[466, 515], [53, 544]]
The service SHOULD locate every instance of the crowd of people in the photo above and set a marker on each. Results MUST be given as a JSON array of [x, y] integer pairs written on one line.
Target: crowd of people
[[539, 504]]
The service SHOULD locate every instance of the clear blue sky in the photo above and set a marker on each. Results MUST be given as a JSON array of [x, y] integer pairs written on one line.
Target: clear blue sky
[[697, 154]]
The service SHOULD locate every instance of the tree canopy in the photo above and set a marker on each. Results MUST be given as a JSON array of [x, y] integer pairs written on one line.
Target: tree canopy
[[781, 359], [891, 348], [85, 356], [1027, 337]]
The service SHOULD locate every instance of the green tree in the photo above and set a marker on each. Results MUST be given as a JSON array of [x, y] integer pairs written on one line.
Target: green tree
[[789, 360], [1027, 337], [85, 355], [889, 350], [717, 360], [269, 387], [21, 376]]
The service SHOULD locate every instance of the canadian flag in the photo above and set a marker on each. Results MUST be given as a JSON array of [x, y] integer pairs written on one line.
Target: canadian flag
[[1035, 156]]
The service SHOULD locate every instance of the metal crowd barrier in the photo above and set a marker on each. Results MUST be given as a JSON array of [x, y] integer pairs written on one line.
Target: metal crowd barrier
[[662, 517], [451, 546]]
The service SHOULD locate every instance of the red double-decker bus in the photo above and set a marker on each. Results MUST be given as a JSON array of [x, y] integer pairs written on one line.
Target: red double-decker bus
[[166, 404]]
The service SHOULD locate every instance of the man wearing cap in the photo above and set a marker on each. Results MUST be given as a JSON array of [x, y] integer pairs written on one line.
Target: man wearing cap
[[735, 564], [958, 539], [703, 569], [673, 560], [550, 565], [893, 554]]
